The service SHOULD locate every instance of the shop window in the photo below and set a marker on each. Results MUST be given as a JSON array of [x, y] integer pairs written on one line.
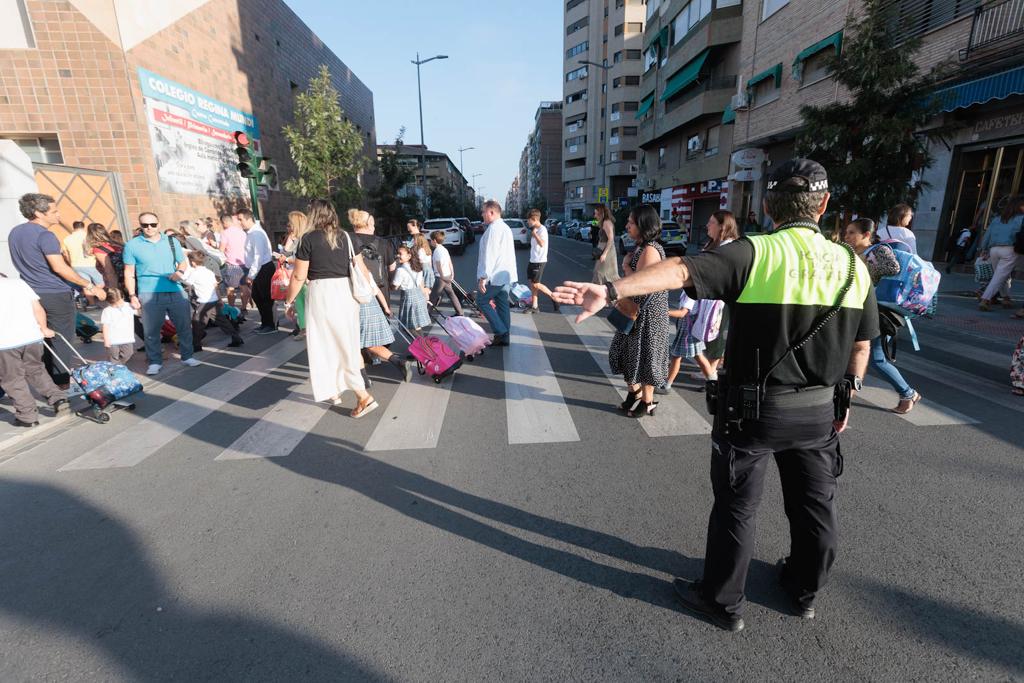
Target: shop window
[[16, 31], [42, 150]]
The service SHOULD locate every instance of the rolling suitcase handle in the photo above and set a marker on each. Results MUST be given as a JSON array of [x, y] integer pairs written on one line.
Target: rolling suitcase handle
[[61, 362]]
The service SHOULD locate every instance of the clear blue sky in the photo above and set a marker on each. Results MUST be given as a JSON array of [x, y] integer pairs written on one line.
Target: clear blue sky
[[504, 58]]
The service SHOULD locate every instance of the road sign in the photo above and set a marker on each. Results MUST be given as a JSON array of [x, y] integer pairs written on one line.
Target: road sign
[[602, 194]]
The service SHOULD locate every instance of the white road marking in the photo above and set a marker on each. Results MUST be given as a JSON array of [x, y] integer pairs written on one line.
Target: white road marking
[[675, 416], [534, 403], [925, 414], [139, 441], [414, 416], [280, 430]]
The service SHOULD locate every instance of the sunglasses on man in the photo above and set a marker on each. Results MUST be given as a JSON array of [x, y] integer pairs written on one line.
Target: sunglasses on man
[[149, 225]]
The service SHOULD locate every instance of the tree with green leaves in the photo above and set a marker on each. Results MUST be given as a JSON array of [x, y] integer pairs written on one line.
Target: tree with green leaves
[[870, 143], [391, 206], [539, 202], [442, 200], [325, 146]]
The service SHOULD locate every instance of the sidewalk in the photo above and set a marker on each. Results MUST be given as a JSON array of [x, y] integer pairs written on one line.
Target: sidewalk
[[958, 308]]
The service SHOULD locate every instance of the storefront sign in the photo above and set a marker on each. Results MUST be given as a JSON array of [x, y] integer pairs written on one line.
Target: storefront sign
[[746, 175], [998, 123], [683, 197], [748, 158], [191, 137], [651, 197]]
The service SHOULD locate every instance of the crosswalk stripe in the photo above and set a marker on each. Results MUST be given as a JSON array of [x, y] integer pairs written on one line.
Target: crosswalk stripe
[[279, 431], [534, 404], [139, 441], [675, 417], [925, 414], [414, 416], [969, 352], [964, 382]]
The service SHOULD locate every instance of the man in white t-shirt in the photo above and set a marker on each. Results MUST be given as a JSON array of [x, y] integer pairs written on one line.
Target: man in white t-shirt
[[538, 259], [21, 353], [897, 226], [444, 273], [207, 306]]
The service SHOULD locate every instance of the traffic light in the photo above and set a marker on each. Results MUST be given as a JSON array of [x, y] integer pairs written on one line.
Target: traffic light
[[248, 160]]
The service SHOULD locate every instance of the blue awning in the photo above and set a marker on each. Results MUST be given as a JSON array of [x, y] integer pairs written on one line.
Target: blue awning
[[980, 90]]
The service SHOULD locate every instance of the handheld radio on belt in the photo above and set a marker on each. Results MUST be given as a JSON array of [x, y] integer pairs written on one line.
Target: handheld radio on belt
[[743, 402]]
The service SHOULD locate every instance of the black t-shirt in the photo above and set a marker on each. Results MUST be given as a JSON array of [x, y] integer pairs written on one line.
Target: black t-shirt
[[378, 255], [759, 333], [324, 262]]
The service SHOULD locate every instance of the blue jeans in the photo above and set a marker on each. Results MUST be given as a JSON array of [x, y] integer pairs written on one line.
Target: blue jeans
[[176, 307], [888, 371], [499, 317]]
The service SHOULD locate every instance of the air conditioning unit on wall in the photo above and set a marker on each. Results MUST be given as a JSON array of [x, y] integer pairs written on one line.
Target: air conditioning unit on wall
[[740, 101]]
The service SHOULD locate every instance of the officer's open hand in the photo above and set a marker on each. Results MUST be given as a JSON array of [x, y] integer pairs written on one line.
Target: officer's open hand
[[586, 294]]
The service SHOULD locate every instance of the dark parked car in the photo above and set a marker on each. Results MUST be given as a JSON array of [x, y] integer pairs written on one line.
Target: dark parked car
[[468, 228], [479, 227]]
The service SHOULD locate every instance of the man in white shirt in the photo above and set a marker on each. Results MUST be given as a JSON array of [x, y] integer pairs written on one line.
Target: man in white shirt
[[259, 264], [444, 273], [496, 271], [897, 226], [538, 259]]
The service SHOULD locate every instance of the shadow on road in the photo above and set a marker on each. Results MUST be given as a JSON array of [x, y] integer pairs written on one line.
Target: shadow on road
[[70, 568]]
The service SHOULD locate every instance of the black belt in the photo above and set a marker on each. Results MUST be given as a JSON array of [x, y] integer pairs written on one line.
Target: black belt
[[798, 397]]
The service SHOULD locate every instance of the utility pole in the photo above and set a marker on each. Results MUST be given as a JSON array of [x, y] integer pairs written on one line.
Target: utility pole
[[462, 171], [423, 152]]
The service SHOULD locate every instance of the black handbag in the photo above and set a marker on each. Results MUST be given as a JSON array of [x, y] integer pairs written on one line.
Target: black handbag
[[889, 325]]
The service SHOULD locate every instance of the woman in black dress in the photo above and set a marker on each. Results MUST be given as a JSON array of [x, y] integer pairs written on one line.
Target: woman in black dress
[[642, 355]]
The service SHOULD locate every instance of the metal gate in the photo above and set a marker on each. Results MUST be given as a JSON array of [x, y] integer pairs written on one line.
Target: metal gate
[[84, 194]]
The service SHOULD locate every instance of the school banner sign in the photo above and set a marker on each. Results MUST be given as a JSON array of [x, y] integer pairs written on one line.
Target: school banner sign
[[191, 137]]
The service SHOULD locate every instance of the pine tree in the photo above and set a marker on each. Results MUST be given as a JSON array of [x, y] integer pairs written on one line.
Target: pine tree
[[325, 146], [869, 144]]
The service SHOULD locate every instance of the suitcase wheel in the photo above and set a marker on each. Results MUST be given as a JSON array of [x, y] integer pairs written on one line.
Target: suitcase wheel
[[437, 380], [103, 418], [469, 358]]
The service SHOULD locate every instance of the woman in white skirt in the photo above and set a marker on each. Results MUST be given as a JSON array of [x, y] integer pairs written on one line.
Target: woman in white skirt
[[332, 313]]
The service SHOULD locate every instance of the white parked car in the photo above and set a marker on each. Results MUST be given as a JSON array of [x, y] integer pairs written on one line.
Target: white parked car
[[454, 237], [520, 231]]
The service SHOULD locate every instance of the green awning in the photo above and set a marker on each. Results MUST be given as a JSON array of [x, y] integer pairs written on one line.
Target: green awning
[[661, 38], [834, 41], [645, 106], [775, 72], [729, 115], [685, 76]]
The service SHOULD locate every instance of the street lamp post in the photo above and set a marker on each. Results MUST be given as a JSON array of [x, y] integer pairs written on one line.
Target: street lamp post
[[461, 169], [604, 66], [423, 154]]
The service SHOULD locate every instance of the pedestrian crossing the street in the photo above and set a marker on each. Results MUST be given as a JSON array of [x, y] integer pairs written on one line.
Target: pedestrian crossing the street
[[416, 414]]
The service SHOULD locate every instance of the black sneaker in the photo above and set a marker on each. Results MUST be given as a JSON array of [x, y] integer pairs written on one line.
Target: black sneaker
[[689, 594], [25, 425], [796, 608], [60, 405], [266, 329], [235, 343]]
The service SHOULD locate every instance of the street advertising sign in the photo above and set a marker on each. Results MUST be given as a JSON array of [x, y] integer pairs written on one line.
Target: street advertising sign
[[748, 158], [602, 194], [191, 135], [746, 175], [651, 197]]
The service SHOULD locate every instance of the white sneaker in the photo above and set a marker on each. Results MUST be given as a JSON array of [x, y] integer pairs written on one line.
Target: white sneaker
[[153, 369], [191, 362]]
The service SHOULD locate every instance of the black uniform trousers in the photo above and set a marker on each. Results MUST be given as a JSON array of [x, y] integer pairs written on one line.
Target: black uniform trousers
[[261, 293], [806, 450]]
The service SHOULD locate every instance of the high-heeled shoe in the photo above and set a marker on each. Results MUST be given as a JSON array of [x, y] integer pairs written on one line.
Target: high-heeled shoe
[[631, 400], [643, 408]]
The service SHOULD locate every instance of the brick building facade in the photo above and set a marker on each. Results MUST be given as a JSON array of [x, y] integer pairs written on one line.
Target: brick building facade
[[73, 92]]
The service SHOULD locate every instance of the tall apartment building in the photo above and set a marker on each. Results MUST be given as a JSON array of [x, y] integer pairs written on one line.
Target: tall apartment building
[[545, 159], [129, 106], [524, 188], [600, 99], [512, 199], [980, 158], [691, 60]]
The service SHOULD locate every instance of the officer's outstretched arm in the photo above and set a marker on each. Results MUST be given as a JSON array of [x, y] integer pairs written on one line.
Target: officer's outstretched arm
[[669, 274]]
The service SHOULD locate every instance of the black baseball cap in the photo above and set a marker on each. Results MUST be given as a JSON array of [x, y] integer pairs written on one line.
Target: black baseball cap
[[798, 175]]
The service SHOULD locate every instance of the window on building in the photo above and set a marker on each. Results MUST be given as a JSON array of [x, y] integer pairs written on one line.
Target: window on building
[[815, 67], [634, 54], [42, 150], [614, 131], [577, 49], [619, 4], [577, 140], [628, 155], [634, 27], [576, 74], [910, 18], [573, 3], [661, 157], [652, 7], [577, 25], [576, 96], [16, 29], [765, 90], [629, 131], [711, 141], [770, 7], [617, 57], [619, 29], [650, 57], [630, 106], [575, 163]]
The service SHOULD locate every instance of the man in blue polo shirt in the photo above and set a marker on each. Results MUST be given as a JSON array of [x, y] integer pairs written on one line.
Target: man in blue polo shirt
[[149, 262]]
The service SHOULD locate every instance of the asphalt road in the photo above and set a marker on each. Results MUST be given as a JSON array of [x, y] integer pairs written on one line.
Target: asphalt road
[[506, 525]]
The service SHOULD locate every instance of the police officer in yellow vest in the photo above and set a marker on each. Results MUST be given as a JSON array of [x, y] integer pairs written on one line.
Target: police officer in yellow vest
[[802, 315]]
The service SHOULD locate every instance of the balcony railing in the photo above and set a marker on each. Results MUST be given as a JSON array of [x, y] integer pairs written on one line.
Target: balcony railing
[[993, 25]]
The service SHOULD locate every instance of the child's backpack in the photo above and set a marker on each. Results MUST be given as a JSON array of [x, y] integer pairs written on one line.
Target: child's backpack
[[707, 319], [117, 260], [375, 264], [519, 296], [912, 290]]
